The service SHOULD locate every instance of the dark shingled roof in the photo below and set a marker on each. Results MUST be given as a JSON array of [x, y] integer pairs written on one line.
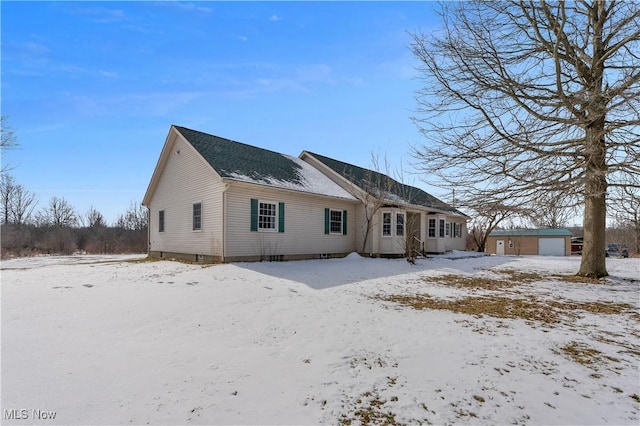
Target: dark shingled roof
[[370, 181], [231, 159]]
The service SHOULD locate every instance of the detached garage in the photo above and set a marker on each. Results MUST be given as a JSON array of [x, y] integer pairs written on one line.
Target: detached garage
[[542, 242]]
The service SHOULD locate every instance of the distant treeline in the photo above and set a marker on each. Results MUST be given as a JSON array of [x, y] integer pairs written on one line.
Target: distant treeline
[[58, 229]]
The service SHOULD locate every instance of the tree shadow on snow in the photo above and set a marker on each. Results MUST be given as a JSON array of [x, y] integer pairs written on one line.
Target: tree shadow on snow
[[329, 273]]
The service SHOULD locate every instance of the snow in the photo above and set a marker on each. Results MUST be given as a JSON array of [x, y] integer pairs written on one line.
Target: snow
[[311, 181], [108, 340]]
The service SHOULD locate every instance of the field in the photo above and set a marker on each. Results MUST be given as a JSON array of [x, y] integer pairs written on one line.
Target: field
[[451, 340]]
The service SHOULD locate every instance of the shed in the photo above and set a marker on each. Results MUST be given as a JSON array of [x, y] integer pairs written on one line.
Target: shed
[[542, 242]]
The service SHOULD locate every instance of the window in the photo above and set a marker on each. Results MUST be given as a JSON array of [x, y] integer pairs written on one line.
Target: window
[[335, 223], [197, 216], [386, 224], [448, 229], [441, 228], [432, 228], [400, 224], [161, 221], [457, 230], [267, 216]]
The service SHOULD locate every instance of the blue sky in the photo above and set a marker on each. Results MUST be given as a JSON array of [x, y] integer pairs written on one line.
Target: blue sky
[[91, 88]]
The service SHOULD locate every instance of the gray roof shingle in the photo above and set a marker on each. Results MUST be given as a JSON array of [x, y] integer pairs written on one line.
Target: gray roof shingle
[[247, 163], [232, 159], [370, 181]]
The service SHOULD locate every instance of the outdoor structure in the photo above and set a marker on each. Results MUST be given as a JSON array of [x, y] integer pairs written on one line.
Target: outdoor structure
[[543, 242], [212, 199]]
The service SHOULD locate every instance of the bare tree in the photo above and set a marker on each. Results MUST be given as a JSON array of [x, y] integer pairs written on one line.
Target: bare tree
[[625, 206], [551, 210], [7, 192], [487, 217], [8, 140], [94, 219], [16, 203], [377, 187], [24, 202], [58, 213], [522, 98], [134, 219]]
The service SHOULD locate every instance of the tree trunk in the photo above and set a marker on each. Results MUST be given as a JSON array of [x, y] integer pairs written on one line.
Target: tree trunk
[[593, 255], [595, 211]]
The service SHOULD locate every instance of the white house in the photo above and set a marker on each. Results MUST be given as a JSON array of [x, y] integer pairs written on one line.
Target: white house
[[212, 199]]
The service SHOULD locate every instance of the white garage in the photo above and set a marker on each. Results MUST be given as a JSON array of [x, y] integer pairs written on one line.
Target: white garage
[[551, 246]]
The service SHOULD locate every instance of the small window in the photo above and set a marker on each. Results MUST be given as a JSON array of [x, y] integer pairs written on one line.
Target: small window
[[161, 221], [335, 223], [448, 229], [432, 228], [400, 224], [267, 216], [441, 228], [197, 216], [457, 230], [386, 224]]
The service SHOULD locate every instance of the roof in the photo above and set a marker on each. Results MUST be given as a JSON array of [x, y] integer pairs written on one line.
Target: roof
[[246, 163], [371, 181], [549, 232]]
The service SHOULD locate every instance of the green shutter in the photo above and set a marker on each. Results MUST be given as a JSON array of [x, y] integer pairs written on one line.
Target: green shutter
[[326, 221], [254, 215], [344, 222], [280, 217]]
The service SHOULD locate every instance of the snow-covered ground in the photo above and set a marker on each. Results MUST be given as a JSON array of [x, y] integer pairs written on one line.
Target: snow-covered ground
[[105, 340]]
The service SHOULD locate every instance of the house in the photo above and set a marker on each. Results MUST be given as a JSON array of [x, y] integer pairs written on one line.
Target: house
[[543, 242], [211, 199], [432, 226]]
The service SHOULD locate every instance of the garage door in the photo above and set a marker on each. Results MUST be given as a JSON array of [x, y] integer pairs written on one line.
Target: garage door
[[551, 247]]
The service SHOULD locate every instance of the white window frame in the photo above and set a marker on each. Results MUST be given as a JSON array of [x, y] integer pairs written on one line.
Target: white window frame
[[404, 223], [332, 222], [193, 217], [275, 216], [447, 229], [457, 230], [161, 220], [387, 214], [435, 227], [441, 223]]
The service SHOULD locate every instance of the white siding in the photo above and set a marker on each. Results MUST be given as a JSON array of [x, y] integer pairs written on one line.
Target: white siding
[[441, 245], [187, 179], [304, 224]]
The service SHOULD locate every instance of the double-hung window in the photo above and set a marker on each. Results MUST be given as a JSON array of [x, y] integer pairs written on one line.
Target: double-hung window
[[386, 224], [335, 222], [161, 221], [197, 216], [267, 216], [432, 228], [399, 224], [441, 233], [448, 229]]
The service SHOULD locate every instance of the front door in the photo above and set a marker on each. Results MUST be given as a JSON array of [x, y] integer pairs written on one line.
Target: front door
[[500, 247]]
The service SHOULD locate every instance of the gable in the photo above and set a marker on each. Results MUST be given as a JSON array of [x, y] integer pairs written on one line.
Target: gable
[[371, 182]]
